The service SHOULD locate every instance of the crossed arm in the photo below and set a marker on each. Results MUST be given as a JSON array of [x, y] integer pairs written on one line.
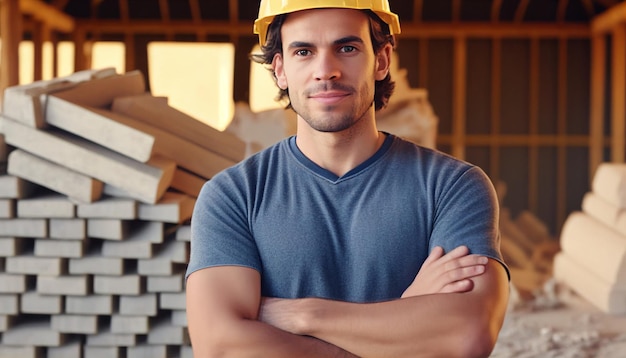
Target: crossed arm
[[454, 307]]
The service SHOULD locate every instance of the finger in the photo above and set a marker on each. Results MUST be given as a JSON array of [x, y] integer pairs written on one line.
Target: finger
[[434, 255], [464, 273], [456, 253], [458, 286]]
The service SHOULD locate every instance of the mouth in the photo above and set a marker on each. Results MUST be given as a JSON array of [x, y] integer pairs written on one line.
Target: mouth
[[329, 97]]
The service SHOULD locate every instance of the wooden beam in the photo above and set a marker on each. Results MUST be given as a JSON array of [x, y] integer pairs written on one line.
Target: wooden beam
[[520, 12], [496, 98], [588, 5], [51, 16], [533, 107], [233, 16], [604, 22], [456, 10], [561, 162], [561, 11], [59, 4], [11, 34], [618, 94], [459, 94], [418, 6], [596, 106], [164, 9], [124, 11], [496, 7]]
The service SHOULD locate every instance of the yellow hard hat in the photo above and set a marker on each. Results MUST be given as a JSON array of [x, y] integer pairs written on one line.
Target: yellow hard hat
[[270, 8]]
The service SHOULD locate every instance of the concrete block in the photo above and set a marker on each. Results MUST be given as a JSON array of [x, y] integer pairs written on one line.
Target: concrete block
[[165, 333], [59, 248], [154, 111], [53, 176], [164, 263], [37, 333], [148, 181], [185, 352], [90, 305], [9, 246], [183, 233], [23, 227], [130, 324], [99, 90], [179, 318], [6, 321], [131, 248], [120, 285], [149, 231], [12, 187], [68, 350], [187, 155], [7, 208], [13, 283], [99, 128], [110, 229], [104, 352], [172, 301], [109, 208], [9, 304], [173, 283], [142, 305], [172, 208], [187, 182], [64, 285], [21, 352], [46, 206], [95, 264], [25, 103], [78, 324], [105, 338], [147, 351], [67, 229], [34, 303], [33, 265]]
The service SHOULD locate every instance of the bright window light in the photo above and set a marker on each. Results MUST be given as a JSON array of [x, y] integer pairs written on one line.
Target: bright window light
[[108, 54], [263, 90], [27, 60], [197, 78]]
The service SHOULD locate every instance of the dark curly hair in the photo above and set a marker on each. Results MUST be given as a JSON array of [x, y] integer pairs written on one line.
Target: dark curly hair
[[379, 34]]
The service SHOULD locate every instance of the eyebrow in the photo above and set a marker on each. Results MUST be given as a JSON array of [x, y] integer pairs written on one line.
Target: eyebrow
[[341, 41]]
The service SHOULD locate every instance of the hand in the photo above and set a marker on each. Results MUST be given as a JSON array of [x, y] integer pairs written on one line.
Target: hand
[[447, 273]]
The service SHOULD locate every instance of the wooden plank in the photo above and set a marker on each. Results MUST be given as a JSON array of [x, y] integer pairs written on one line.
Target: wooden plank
[[418, 7], [11, 34], [618, 90], [459, 88], [156, 112], [520, 12], [47, 14], [533, 169], [147, 181], [605, 22], [496, 7], [597, 93]]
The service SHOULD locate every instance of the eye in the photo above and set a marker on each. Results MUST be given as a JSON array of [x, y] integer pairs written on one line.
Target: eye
[[302, 52], [347, 49]]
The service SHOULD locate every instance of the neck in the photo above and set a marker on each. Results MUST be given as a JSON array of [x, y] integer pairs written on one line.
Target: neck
[[339, 152]]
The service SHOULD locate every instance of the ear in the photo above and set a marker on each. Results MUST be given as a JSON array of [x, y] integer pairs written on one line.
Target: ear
[[279, 71], [383, 62]]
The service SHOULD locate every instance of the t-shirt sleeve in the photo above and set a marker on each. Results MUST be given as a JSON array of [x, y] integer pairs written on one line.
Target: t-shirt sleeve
[[220, 231], [468, 214]]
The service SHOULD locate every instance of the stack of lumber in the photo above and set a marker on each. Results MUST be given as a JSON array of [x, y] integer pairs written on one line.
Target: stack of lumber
[[97, 185], [593, 257], [528, 248]]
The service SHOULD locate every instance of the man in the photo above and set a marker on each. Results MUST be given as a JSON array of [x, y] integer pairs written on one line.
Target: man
[[343, 241]]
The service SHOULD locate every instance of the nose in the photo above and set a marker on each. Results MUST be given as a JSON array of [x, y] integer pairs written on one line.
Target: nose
[[328, 66]]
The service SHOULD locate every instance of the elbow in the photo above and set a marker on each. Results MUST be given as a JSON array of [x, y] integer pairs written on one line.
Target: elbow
[[477, 341]]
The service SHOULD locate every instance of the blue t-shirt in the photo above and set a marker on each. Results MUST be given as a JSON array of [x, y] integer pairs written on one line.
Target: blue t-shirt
[[361, 237]]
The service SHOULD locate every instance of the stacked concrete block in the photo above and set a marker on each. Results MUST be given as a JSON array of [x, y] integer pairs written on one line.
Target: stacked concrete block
[[96, 195], [592, 260]]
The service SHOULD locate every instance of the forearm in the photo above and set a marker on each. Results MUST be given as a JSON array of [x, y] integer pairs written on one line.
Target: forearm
[[250, 338], [450, 324], [433, 325]]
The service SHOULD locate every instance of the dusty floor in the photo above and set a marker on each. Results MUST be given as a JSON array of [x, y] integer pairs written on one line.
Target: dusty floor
[[559, 323]]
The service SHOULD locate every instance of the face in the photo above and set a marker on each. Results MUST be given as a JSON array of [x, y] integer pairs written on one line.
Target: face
[[329, 67]]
